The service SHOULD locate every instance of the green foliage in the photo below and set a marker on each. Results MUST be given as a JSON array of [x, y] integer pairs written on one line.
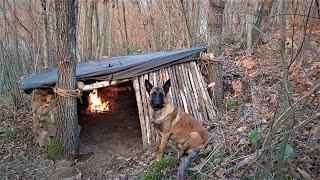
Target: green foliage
[[54, 149], [9, 134], [254, 138], [288, 152], [157, 167], [233, 103]]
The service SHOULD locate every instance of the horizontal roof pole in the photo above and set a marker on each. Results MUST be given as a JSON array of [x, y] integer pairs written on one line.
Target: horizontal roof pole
[[101, 84]]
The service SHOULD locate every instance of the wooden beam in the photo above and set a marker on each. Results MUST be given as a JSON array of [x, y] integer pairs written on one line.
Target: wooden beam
[[101, 84], [136, 87]]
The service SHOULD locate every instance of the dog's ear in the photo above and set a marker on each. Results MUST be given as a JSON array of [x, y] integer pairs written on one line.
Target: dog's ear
[[148, 85], [166, 86]]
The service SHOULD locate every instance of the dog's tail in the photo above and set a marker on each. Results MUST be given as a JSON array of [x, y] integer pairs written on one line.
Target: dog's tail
[[184, 164]]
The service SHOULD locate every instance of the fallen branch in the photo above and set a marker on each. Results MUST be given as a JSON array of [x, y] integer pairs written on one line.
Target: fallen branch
[[300, 124], [220, 144]]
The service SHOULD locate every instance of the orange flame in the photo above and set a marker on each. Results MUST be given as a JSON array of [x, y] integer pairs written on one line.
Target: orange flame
[[96, 104]]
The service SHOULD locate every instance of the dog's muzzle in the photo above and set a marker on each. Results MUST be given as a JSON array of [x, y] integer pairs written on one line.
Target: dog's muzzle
[[157, 106]]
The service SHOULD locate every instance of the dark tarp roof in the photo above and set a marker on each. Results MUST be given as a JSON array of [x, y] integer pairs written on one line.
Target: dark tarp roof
[[116, 68]]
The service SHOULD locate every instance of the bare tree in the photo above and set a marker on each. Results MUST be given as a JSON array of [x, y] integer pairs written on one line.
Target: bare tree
[[187, 18], [46, 35], [88, 42], [264, 12], [250, 11], [105, 23], [215, 18], [110, 29], [97, 30], [125, 27], [285, 94], [68, 128], [10, 61]]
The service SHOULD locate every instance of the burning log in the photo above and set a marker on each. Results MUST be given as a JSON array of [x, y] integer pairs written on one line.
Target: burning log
[[96, 104]]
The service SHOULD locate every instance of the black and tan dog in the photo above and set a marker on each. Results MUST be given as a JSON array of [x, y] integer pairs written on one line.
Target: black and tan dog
[[172, 122]]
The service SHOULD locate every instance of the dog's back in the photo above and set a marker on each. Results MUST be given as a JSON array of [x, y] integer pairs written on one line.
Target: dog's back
[[189, 132]]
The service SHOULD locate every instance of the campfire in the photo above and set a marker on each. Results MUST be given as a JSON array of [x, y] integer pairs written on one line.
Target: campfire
[[96, 104]]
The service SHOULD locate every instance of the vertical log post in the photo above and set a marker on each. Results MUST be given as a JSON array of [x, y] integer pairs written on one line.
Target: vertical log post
[[136, 88]]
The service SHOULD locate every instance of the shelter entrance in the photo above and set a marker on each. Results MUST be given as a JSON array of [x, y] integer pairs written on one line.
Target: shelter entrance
[[110, 129]]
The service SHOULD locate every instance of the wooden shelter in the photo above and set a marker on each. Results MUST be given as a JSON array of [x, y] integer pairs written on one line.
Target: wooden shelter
[[188, 89]]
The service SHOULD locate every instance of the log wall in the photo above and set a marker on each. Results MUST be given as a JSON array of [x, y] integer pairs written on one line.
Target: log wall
[[188, 91]]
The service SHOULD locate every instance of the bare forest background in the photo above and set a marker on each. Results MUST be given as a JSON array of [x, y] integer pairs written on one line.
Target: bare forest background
[[265, 86], [113, 28]]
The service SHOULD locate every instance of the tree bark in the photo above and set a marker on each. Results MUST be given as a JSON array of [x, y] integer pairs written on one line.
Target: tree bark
[[88, 26], [153, 26], [110, 29], [104, 31], [215, 19], [125, 27], [286, 93], [9, 61], [10, 78], [97, 30], [264, 12], [46, 35], [68, 128], [249, 23], [187, 18]]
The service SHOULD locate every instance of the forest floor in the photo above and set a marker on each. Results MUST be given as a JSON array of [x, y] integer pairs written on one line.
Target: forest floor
[[252, 88], [109, 149]]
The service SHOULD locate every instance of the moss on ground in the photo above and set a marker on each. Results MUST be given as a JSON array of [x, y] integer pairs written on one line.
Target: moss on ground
[[54, 149], [156, 168]]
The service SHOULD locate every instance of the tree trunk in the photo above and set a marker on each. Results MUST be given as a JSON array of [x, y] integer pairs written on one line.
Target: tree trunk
[[84, 34], [125, 27], [286, 93], [104, 31], [97, 30], [10, 62], [46, 35], [197, 23], [120, 28], [145, 31], [187, 18], [264, 12], [249, 23], [68, 128], [111, 13], [216, 8], [155, 38], [88, 27], [10, 78]]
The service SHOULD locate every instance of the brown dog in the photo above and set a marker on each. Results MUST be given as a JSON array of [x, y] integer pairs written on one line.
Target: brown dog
[[172, 122]]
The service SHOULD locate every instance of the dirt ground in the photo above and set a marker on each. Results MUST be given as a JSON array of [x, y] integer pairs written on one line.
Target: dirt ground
[[110, 138], [110, 147]]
